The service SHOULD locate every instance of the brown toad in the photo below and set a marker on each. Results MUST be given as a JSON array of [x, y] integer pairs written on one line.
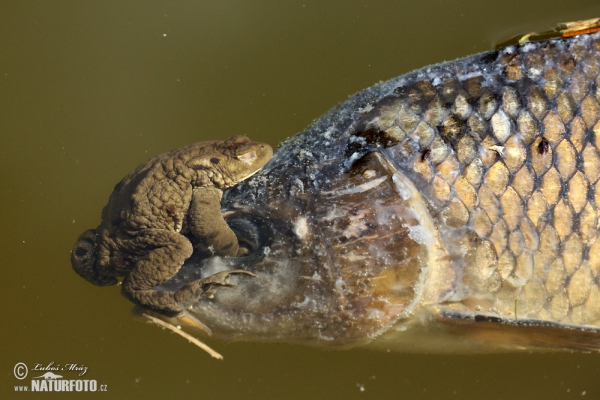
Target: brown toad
[[141, 236]]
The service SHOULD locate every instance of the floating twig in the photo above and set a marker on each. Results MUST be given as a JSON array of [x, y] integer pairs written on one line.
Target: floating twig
[[185, 335]]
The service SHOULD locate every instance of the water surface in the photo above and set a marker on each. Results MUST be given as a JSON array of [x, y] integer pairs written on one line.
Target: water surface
[[88, 90]]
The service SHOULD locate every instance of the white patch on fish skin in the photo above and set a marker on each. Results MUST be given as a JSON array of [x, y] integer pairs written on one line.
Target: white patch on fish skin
[[315, 277], [298, 185], [376, 314], [462, 107], [306, 154], [216, 264], [357, 225], [369, 174], [354, 157], [534, 73], [528, 47], [363, 110], [340, 285], [401, 188], [301, 227], [385, 215], [334, 213], [501, 126], [326, 338], [421, 235], [497, 149], [358, 188], [304, 303], [509, 50], [469, 75], [352, 257], [328, 132]]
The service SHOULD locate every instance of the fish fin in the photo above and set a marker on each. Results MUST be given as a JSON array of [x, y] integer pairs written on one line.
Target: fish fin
[[524, 334]]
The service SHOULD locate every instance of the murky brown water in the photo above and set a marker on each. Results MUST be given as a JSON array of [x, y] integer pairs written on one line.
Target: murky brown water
[[88, 90]]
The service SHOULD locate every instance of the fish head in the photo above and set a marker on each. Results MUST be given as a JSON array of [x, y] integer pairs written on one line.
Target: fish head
[[340, 253]]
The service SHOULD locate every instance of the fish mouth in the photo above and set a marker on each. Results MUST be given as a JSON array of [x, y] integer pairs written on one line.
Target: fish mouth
[[252, 307], [254, 233]]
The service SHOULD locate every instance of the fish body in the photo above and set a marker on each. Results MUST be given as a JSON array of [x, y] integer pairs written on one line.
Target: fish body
[[451, 209]]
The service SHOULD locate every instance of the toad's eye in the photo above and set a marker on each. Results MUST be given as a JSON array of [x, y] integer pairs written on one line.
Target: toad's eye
[[247, 157], [214, 160]]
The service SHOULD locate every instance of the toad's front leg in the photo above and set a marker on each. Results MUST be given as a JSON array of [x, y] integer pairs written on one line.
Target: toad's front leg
[[207, 223]]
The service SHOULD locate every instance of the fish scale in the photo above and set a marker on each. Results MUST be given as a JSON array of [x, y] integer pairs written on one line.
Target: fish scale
[[513, 162]]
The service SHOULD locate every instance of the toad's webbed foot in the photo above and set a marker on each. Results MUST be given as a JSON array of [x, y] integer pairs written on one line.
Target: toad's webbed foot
[[206, 287]]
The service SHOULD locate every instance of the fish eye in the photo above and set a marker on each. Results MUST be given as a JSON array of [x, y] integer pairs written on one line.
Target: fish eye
[[252, 234]]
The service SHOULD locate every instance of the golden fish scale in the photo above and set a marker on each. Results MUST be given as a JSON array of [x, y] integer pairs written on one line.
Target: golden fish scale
[[513, 171]]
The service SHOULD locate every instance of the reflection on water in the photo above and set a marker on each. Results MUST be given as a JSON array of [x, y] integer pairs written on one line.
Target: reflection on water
[[88, 91]]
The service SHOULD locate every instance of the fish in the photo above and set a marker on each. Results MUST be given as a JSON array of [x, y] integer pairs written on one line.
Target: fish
[[453, 209]]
